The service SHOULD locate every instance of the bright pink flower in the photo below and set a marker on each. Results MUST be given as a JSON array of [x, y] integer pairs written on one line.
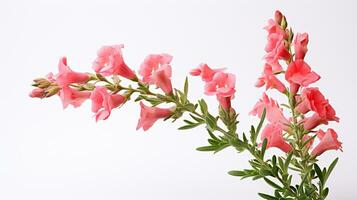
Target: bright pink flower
[[328, 141], [300, 45], [311, 99], [274, 135], [37, 93], [103, 102], [110, 61], [326, 115], [269, 79], [152, 63], [299, 74], [66, 76], [223, 86], [149, 115], [274, 114], [205, 72], [70, 96], [156, 70]]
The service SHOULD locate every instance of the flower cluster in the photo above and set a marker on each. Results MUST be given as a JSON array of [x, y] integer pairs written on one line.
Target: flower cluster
[[293, 127]]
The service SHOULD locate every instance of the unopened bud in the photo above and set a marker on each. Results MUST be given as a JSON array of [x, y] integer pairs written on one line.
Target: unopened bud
[[283, 23], [37, 93], [52, 90], [41, 83], [278, 17]]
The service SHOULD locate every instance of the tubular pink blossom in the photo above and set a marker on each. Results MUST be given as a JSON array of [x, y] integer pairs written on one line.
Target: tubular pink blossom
[[274, 114], [156, 70], [299, 74], [205, 72], [328, 141], [66, 76], [223, 86], [70, 96], [300, 45], [149, 115], [269, 79], [103, 102], [110, 61], [274, 135]]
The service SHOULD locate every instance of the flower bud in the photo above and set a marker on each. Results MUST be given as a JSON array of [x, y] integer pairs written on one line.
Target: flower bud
[[278, 17], [52, 90]]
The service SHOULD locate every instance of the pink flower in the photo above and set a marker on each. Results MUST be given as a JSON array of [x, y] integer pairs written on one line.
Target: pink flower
[[299, 74], [149, 115], [66, 76], [151, 64], [328, 141], [300, 45], [223, 86], [110, 61], [276, 46], [70, 96], [274, 114], [269, 79], [37, 93], [274, 135], [103, 102], [326, 115], [205, 72], [156, 70]]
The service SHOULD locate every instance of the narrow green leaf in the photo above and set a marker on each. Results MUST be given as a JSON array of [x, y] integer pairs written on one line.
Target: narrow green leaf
[[185, 88], [206, 148], [189, 126], [264, 146], [237, 173], [271, 183], [287, 161], [319, 173], [330, 168], [261, 122], [267, 197]]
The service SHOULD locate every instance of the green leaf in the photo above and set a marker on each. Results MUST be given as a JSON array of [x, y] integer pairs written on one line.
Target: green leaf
[[319, 173], [185, 88], [330, 168], [206, 148], [261, 122], [237, 173], [271, 183], [211, 121], [268, 197], [212, 135], [203, 106], [287, 161], [188, 126], [264, 147]]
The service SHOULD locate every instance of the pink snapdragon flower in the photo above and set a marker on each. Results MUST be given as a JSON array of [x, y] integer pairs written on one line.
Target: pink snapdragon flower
[[300, 45], [269, 79], [328, 141], [205, 72], [37, 93], [299, 74], [110, 61], [274, 114], [70, 96], [66, 76], [156, 69], [323, 117], [223, 86], [149, 115], [103, 102], [274, 135], [276, 47]]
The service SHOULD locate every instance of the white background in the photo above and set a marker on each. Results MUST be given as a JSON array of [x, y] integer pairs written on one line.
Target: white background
[[50, 153]]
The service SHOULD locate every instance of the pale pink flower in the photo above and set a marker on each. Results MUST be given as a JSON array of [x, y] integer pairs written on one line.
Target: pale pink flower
[[110, 61], [149, 115], [274, 114], [103, 102], [300, 45], [299, 74], [66, 76], [37, 93], [223, 86], [152, 63], [70, 96], [156, 70], [328, 141], [274, 135], [269, 79], [205, 72]]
